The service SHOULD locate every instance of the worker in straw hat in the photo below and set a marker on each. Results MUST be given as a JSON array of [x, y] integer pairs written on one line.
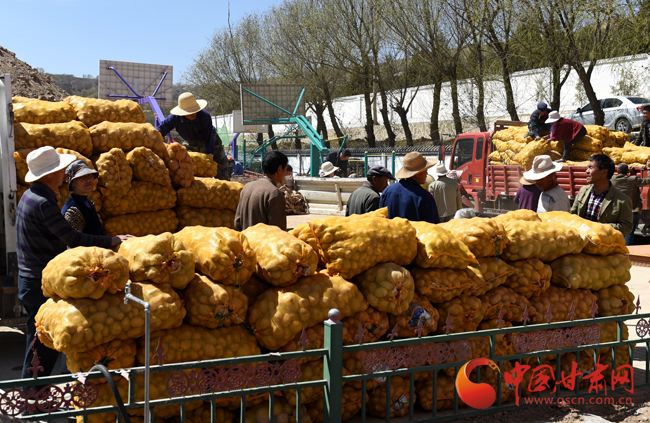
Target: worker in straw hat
[[327, 170], [41, 234], [553, 197], [566, 130], [527, 196], [407, 198], [446, 193], [194, 124]]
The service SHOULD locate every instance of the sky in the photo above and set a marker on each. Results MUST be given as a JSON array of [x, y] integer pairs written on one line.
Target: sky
[[71, 36]]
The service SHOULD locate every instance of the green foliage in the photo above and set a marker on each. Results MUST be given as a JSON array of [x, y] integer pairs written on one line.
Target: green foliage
[[628, 83]]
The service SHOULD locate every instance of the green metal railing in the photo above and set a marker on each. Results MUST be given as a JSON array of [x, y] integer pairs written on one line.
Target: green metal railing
[[333, 374]]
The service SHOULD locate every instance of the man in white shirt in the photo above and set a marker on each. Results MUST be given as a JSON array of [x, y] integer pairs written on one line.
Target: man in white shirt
[[553, 197]]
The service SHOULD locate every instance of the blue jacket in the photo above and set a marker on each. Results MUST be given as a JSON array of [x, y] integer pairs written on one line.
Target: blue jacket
[[199, 130], [237, 168], [409, 200]]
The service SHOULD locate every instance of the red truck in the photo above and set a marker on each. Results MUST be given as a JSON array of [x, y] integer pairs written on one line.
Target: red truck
[[493, 187]]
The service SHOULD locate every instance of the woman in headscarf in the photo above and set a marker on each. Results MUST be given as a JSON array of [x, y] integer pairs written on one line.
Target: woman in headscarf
[[79, 211]]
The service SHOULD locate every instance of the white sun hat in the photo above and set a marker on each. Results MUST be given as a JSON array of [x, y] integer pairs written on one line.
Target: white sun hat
[[542, 167], [327, 168], [553, 117], [188, 105], [46, 160], [441, 169]]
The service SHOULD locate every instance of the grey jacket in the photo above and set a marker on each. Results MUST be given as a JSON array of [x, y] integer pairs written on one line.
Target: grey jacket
[[363, 200]]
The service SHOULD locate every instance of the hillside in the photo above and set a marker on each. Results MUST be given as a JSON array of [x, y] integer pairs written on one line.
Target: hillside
[[27, 81]]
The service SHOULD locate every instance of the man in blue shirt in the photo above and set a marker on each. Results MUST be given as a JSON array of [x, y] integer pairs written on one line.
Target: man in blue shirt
[[407, 198], [237, 168], [195, 125]]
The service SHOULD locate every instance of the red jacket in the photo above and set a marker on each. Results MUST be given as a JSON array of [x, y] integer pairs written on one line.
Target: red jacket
[[565, 129]]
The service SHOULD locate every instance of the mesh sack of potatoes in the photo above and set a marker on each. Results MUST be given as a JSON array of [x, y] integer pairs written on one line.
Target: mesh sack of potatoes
[[494, 156], [408, 322], [281, 313], [636, 156], [522, 214], [81, 324], [148, 166], [203, 414], [143, 196], [560, 300], [79, 156], [512, 133], [210, 193], [253, 288], [374, 324], [115, 173], [352, 246], [85, 272], [387, 287], [437, 247], [504, 343], [20, 158], [303, 232], [464, 314], [484, 237], [588, 143], [310, 371], [496, 163], [440, 285], [543, 240], [573, 163], [97, 198], [503, 146], [591, 272], [315, 336], [620, 138], [353, 365], [180, 165], [204, 165], [505, 301], [213, 305], [533, 149], [141, 224], [92, 111], [283, 412], [211, 218], [602, 240], [597, 132], [281, 258], [444, 393], [580, 155], [126, 136], [557, 146], [114, 355], [399, 399], [509, 156], [73, 135], [222, 254], [614, 301], [351, 405], [158, 259], [493, 272], [532, 277], [614, 153], [32, 110]]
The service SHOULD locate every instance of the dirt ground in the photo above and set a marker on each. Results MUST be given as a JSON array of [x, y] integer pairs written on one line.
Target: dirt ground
[[27, 81]]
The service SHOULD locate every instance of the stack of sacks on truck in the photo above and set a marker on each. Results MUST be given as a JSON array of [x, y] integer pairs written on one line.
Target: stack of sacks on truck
[[633, 155]]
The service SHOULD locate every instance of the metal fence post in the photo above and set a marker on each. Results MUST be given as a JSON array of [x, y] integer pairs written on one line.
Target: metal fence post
[[393, 164], [365, 163], [333, 368]]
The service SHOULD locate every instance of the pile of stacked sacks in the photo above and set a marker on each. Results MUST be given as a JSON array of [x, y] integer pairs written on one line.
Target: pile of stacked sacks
[[257, 291], [145, 186]]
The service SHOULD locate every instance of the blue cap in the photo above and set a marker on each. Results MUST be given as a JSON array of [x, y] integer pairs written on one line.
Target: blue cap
[[542, 106], [380, 171]]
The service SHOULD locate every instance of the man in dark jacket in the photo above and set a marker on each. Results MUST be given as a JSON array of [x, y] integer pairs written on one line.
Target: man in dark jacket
[[537, 124], [340, 160], [643, 138], [407, 198], [630, 186], [366, 198]]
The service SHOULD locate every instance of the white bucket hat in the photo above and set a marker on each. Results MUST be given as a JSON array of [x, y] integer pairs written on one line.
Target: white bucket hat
[[327, 168], [441, 169], [188, 105], [553, 117], [44, 161], [542, 167]]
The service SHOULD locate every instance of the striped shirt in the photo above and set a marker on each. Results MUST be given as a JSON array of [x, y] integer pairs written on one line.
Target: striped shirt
[[594, 204], [43, 233]]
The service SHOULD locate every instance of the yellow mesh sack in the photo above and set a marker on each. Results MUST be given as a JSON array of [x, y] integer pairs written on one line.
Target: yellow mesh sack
[[32, 110], [210, 193], [312, 370], [444, 392], [614, 301], [437, 247], [92, 111], [598, 132], [220, 253], [352, 246], [20, 158], [512, 133], [543, 240], [211, 218], [282, 412], [204, 165], [387, 287], [580, 155], [148, 166], [533, 149], [504, 343], [464, 312], [279, 314], [588, 143], [85, 272], [374, 324], [620, 138], [73, 135], [574, 163], [315, 340], [180, 165], [600, 239], [557, 146], [503, 299], [484, 237], [281, 258], [213, 305], [76, 153], [509, 157], [159, 259], [636, 156], [560, 300], [142, 197], [496, 163], [399, 399], [351, 405], [532, 277], [522, 214], [142, 224], [407, 322], [440, 285], [616, 154], [81, 324], [493, 272], [97, 198], [115, 355], [495, 156], [126, 136], [591, 272], [115, 174]]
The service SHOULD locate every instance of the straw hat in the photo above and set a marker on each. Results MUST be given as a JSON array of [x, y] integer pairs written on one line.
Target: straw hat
[[553, 117], [44, 161], [413, 164], [327, 168], [441, 169], [542, 167], [188, 105], [525, 181]]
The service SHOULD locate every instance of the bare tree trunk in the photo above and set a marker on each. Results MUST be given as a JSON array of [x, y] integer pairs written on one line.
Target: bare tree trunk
[[558, 83], [507, 83], [370, 123], [384, 114], [458, 123], [585, 77], [434, 129], [321, 128], [330, 110], [402, 113], [274, 146], [480, 107], [260, 138]]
